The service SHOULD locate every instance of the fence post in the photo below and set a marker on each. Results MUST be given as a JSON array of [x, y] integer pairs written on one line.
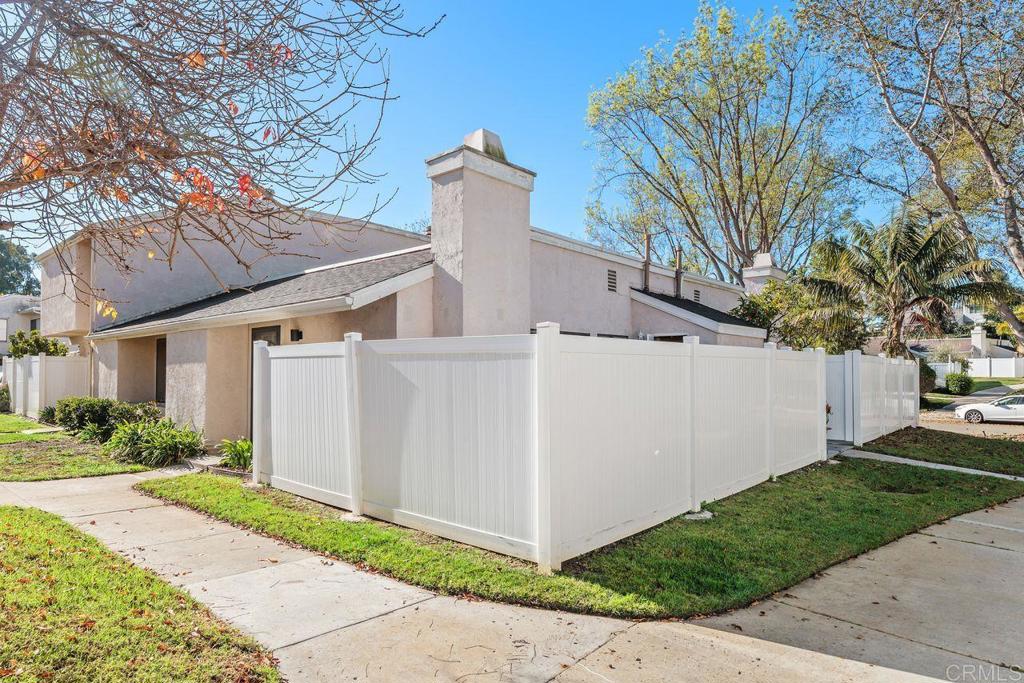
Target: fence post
[[41, 380], [353, 445], [26, 365], [691, 422], [819, 359], [858, 412], [917, 393], [547, 359], [900, 372], [769, 436], [262, 456]]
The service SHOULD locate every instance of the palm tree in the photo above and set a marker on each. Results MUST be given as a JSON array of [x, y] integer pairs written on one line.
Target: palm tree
[[904, 270]]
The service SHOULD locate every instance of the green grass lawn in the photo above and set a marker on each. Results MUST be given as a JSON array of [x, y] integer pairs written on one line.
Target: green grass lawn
[[16, 423], [939, 398], [982, 383], [992, 454], [935, 400], [73, 611], [56, 457], [760, 541]]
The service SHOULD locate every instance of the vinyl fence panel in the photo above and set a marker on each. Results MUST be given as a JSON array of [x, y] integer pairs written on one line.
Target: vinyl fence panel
[[307, 423], [879, 395], [620, 438], [446, 433], [540, 446]]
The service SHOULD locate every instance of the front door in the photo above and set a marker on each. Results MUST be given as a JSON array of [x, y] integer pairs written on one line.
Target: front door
[[161, 370], [271, 335]]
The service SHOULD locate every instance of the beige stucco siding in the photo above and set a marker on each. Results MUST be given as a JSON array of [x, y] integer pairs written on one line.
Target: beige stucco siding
[[186, 399], [414, 311], [227, 383], [652, 321], [64, 297], [571, 288], [104, 368]]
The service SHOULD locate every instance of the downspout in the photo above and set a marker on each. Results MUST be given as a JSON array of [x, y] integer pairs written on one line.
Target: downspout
[[647, 262], [679, 272]]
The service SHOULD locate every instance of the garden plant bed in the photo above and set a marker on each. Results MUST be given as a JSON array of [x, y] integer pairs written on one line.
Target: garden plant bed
[[760, 541], [229, 471], [57, 457], [991, 454], [73, 611]]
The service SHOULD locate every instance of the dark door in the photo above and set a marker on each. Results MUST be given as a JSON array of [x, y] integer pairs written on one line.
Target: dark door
[[271, 335], [161, 370]]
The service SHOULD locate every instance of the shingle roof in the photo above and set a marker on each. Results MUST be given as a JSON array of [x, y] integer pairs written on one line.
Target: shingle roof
[[326, 282], [700, 309]]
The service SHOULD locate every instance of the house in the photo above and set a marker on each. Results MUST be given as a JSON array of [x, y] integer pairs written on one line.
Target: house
[[17, 312], [978, 345], [182, 340]]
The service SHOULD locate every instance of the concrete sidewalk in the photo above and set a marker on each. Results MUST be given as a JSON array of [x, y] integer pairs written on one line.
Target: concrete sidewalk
[[957, 586]]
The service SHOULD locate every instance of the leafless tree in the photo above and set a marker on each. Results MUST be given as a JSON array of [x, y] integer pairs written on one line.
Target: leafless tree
[[221, 121]]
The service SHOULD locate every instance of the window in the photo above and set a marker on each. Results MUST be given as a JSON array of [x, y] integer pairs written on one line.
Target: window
[[613, 280], [33, 324], [696, 295]]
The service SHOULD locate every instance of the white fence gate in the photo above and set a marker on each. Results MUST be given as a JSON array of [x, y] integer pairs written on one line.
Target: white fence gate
[[39, 381], [539, 446], [870, 396]]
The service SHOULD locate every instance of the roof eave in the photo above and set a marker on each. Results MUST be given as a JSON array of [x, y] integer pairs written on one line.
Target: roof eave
[[695, 318]]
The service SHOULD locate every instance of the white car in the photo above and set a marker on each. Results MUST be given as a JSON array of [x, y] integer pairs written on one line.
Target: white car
[[1005, 409]]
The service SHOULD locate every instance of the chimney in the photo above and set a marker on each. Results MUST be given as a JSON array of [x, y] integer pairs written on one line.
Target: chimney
[[679, 272], [647, 261], [979, 342], [480, 237], [763, 270]]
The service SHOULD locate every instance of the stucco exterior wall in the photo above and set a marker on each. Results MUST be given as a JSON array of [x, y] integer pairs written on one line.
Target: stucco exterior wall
[[413, 315], [10, 304], [104, 368], [187, 365], [652, 321], [737, 340], [136, 369], [571, 288], [65, 310], [227, 383]]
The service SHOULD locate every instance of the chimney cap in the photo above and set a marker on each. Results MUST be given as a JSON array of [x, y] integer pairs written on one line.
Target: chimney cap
[[486, 141], [763, 260]]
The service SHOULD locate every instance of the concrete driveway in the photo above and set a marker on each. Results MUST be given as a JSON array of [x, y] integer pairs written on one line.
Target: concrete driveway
[[931, 604]]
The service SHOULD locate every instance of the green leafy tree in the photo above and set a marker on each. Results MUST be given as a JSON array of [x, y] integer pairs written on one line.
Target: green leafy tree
[[946, 80], [17, 269], [907, 271], [33, 344], [786, 309], [719, 143]]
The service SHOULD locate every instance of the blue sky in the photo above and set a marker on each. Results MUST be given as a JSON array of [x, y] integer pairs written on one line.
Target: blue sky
[[523, 70]]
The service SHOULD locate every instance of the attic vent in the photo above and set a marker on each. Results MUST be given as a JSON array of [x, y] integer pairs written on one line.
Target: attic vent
[[696, 295], [613, 280]]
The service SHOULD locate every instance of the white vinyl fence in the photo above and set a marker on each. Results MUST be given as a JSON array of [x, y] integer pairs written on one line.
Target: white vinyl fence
[[870, 396], [539, 446], [39, 381], [982, 367]]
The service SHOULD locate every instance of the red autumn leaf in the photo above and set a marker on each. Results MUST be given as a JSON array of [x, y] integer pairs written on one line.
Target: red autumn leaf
[[233, 108], [244, 183], [267, 133], [194, 60]]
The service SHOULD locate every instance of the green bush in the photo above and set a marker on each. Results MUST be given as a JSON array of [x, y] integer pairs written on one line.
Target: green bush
[[5, 398], [48, 415], [237, 454], [959, 383], [21, 344], [154, 444], [926, 378], [75, 412], [93, 433]]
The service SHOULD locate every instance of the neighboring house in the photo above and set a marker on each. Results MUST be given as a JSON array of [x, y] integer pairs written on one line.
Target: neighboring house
[[968, 314], [181, 340], [978, 345], [17, 312]]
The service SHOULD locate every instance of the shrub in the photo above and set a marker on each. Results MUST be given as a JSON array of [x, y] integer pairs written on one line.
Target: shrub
[[959, 383], [237, 453], [76, 412], [48, 414], [926, 378], [154, 444], [93, 433], [21, 344], [5, 398]]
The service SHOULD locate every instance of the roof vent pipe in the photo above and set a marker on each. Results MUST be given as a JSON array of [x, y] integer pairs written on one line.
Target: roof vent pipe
[[647, 261], [679, 272]]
